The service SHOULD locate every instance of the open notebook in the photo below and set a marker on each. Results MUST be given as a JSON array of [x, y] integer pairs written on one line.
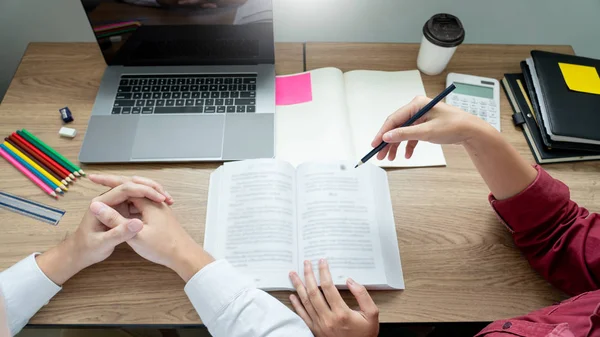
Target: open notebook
[[345, 113], [266, 217]]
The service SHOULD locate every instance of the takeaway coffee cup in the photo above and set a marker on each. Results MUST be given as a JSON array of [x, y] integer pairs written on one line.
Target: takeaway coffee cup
[[441, 35]]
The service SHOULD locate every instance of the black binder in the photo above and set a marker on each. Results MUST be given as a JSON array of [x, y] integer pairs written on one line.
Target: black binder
[[570, 113], [526, 118], [549, 143]]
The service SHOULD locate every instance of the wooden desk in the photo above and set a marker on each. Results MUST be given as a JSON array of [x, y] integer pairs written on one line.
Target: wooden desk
[[459, 262], [125, 289]]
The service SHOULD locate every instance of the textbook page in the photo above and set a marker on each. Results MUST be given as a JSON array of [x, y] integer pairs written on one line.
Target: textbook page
[[337, 221], [251, 219], [319, 129], [371, 97]]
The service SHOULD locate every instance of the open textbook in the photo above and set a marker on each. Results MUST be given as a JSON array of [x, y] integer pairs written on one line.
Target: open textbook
[[266, 217], [344, 115]]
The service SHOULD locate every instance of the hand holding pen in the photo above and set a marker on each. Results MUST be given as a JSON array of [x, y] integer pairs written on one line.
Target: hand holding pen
[[390, 135], [444, 124]]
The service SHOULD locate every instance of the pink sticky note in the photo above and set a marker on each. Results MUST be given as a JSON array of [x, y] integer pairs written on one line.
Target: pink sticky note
[[293, 89]]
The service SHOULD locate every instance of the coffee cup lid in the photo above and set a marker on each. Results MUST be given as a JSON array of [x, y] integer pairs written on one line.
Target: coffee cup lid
[[444, 30]]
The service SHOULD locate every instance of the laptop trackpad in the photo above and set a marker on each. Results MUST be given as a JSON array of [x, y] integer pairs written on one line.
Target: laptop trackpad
[[183, 137]]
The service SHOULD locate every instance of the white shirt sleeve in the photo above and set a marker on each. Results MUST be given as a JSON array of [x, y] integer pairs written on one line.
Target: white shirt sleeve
[[26, 290], [230, 305]]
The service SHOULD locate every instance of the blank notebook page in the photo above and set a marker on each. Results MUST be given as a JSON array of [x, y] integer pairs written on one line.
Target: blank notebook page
[[315, 130], [371, 97]]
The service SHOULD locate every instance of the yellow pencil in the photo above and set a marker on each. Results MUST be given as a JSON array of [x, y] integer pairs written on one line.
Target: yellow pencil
[[35, 166]]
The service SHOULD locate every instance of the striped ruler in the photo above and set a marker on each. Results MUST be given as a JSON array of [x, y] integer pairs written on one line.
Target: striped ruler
[[30, 208]]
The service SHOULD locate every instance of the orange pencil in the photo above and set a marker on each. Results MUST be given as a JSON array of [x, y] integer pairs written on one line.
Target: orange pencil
[[28, 174]]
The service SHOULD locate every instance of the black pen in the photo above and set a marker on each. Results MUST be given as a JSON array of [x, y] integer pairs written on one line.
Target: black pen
[[411, 120]]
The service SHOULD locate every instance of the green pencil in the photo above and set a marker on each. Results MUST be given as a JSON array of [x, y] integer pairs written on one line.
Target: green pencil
[[116, 32], [52, 153]]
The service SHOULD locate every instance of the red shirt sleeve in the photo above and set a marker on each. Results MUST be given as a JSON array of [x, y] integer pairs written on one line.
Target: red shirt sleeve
[[559, 239]]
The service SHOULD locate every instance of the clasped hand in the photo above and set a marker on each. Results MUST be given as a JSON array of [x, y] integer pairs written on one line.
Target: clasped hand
[[135, 210]]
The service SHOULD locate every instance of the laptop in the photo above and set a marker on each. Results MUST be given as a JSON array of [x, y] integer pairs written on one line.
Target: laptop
[[187, 80]]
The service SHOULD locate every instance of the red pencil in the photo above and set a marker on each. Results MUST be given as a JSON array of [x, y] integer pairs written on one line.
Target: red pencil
[[43, 155], [30, 147], [35, 160], [41, 159]]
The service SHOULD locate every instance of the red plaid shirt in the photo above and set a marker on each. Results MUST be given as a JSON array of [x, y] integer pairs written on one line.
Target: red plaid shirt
[[561, 241]]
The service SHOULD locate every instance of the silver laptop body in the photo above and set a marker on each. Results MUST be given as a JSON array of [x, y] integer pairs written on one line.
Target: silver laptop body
[[180, 84]]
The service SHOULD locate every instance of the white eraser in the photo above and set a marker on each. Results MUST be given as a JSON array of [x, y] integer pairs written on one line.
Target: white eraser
[[67, 132]]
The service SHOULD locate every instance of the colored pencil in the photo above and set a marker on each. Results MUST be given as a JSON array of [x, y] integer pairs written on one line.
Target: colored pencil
[[39, 151], [74, 167], [28, 174], [37, 160], [115, 28], [32, 150], [116, 25], [409, 122], [31, 169], [55, 159], [36, 166], [47, 150], [116, 32], [63, 172]]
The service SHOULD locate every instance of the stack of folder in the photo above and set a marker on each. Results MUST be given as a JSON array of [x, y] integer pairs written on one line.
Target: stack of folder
[[556, 101]]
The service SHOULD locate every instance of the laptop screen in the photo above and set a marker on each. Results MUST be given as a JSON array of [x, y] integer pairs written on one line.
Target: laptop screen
[[183, 32]]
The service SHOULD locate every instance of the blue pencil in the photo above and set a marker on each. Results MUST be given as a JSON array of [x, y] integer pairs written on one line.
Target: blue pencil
[[31, 169]]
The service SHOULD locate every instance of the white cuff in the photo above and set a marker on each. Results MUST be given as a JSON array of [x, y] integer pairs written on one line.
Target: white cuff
[[214, 287], [26, 290]]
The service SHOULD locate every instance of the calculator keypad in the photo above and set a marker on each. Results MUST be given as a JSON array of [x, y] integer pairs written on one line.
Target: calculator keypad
[[483, 108]]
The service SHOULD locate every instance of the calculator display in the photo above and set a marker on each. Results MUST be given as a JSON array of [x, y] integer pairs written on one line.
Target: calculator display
[[474, 90]]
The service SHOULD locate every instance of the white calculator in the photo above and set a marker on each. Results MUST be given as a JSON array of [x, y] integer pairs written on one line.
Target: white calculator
[[479, 96]]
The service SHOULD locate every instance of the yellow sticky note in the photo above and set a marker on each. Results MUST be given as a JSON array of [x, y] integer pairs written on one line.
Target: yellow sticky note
[[581, 78]]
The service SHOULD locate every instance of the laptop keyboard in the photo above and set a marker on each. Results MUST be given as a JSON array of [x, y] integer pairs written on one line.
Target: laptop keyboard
[[165, 94]]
